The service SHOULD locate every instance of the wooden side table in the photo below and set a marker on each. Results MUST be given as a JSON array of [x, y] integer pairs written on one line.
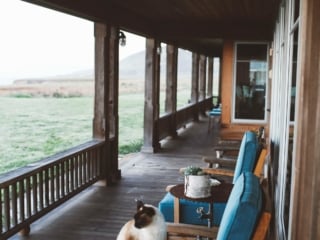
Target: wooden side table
[[219, 193]]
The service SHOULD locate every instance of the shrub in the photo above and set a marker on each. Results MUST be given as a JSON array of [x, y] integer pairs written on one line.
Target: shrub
[[133, 146]]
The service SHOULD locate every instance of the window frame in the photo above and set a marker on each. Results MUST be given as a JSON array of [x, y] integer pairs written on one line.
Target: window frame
[[243, 120]]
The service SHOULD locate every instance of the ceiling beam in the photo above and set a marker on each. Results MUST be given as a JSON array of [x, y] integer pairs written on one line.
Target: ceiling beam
[[213, 30]]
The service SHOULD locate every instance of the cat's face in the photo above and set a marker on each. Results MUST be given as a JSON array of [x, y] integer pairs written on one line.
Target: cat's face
[[144, 215]]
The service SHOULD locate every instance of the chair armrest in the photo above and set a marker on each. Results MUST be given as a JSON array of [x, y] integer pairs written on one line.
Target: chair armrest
[[180, 229], [224, 162], [225, 148], [225, 145], [221, 151], [168, 188], [262, 227], [260, 162], [219, 171]]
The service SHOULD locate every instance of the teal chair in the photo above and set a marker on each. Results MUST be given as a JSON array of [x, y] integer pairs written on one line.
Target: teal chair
[[213, 114], [240, 216], [245, 163]]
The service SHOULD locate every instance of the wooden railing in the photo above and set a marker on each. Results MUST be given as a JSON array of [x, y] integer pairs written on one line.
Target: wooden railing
[[173, 121], [31, 192]]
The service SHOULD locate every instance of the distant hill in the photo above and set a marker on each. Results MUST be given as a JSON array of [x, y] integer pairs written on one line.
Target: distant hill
[[133, 67], [80, 83], [130, 68], [83, 75]]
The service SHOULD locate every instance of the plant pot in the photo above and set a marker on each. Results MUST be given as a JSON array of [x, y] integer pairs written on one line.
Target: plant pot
[[197, 186]]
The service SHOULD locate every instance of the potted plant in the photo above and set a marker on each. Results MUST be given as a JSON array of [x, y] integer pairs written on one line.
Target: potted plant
[[196, 183]]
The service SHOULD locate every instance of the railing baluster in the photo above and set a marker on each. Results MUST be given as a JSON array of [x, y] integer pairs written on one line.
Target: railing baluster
[[52, 196], [46, 187], [72, 174], [6, 199], [67, 176], [57, 179], [90, 165], [94, 163], [80, 169], [40, 175], [76, 172], [28, 197], [35, 193], [1, 211], [62, 176], [14, 205], [21, 201], [84, 164], [99, 162], [87, 167]]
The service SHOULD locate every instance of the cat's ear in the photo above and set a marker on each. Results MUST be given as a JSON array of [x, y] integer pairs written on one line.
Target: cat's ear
[[139, 204]]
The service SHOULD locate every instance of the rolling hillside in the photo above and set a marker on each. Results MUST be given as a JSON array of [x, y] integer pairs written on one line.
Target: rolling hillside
[[131, 78]]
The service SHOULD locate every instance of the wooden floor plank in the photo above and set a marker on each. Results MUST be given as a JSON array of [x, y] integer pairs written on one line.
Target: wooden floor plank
[[99, 212]]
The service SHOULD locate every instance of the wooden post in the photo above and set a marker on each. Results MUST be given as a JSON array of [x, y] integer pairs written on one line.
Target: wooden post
[[195, 83], [305, 217], [152, 92], [104, 122], [210, 77], [101, 76], [171, 86], [202, 77], [100, 126], [114, 102], [226, 80]]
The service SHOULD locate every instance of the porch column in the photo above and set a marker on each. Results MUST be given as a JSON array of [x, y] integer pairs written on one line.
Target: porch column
[[195, 83], [103, 122], [152, 92], [210, 77], [171, 86], [305, 220], [202, 77], [114, 102]]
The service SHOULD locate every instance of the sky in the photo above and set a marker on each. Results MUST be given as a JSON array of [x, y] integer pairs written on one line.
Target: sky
[[38, 42]]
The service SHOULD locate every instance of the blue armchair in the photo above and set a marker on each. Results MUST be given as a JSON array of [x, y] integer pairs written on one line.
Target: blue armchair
[[245, 163], [240, 217]]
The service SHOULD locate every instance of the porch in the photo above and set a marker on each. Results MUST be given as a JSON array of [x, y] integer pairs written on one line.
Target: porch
[[99, 212]]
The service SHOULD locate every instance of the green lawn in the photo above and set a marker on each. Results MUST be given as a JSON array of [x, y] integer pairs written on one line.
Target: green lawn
[[32, 128]]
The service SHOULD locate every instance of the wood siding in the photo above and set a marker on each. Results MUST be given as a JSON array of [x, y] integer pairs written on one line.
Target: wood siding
[[306, 195]]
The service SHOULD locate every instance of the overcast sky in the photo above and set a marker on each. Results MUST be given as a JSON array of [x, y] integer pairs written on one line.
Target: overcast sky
[[37, 42]]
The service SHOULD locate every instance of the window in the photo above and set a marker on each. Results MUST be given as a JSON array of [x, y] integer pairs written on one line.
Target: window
[[250, 80]]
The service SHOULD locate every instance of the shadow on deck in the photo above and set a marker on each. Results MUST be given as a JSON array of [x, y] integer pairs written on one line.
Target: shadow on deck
[[99, 212]]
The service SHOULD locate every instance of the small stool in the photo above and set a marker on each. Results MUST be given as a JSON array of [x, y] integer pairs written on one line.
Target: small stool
[[216, 112]]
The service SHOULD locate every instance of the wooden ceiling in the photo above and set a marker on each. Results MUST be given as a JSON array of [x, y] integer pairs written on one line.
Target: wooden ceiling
[[197, 25]]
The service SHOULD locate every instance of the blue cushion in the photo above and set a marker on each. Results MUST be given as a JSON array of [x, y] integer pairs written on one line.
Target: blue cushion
[[247, 154], [242, 210], [215, 112], [188, 213]]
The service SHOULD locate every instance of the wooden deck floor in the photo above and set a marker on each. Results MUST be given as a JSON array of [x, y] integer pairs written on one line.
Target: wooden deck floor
[[99, 212]]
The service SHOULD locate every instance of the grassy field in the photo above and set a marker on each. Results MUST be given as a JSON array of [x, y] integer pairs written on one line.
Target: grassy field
[[32, 128]]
